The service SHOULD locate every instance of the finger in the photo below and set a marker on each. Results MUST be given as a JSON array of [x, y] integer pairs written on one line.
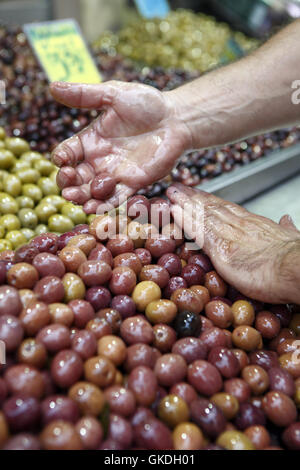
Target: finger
[[85, 172], [286, 221], [202, 197], [186, 222], [78, 194], [69, 152], [121, 194], [68, 176], [80, 95]]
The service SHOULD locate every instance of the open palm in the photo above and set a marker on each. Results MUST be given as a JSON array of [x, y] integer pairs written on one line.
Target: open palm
[[136, 138]]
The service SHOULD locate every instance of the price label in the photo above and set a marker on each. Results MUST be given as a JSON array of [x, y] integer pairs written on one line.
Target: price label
[[62, 51], [153, 8]]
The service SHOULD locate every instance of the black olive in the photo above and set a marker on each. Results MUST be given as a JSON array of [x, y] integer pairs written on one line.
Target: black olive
[[187, 324]]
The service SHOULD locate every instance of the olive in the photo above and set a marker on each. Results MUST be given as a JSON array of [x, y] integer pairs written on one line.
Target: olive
[[28, 233], [25, 202], [7, 159], [17, 145], [235, 440], [75, 213], [60, 223], [54, 200], [28, 175], [187, 324], [16, 238], [20, 165], [74, 287], [48, 186], [12, 185], [90, 218], [31, 157], [43, 166], [32, 191], [10, 222], [2, 133], [44, 211], [53, 174], [173, 410], [28, 218], [40, 229], [5, 245], [8, 204]]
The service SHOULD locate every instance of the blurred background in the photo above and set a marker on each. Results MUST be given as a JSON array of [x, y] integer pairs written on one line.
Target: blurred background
[[254, 17]]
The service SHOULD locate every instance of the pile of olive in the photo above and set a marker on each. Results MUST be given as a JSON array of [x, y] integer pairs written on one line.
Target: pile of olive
[[30, 201], [31, 113], [133, 341], [184, 40]]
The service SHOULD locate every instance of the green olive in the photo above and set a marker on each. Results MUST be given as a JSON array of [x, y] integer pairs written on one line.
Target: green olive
[[54, 200], [28, 175], [75, 213], [2, 231], [16, 238], [53, 175], [44, 210], [8, 205], [16, 145], [5, 245], [41, 228], [31, 157], [90, 218], [7, 159], [2, 144], [2, 133], [43, 166], [28, 218], [60, 223], [48, 186], [32, 191], [28, 233], [10, 222], [12, 185], [20, 165], [234, 440], [25, 202], [3, 174]]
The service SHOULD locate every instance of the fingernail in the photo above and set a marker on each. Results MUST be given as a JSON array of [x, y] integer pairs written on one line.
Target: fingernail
[[60, 158], [62, 85]]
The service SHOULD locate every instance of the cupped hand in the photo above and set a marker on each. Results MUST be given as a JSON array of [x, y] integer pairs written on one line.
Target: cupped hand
[[247, 250], [136, 139]]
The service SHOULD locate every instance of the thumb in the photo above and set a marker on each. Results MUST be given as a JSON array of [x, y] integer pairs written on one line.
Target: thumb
[[286, 221], [81, 95]]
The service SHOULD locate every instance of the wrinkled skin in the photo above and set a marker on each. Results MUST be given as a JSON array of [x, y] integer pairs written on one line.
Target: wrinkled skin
[[136, 138], [247, 250]]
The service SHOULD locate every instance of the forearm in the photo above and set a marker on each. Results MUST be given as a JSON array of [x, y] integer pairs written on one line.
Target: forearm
[[245, 98], [289, 273]]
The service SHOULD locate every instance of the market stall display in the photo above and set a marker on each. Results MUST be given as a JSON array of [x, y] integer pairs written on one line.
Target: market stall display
[[184, 40], [31, 113], [133, 342]]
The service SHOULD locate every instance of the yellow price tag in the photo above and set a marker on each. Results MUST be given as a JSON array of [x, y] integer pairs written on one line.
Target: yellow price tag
[[62, 51]]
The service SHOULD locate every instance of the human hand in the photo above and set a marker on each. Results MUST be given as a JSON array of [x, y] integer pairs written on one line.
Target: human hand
[[252, 253], [136, 139]]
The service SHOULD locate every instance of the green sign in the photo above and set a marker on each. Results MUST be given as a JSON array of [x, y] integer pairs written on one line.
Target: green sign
[[62, 51]]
